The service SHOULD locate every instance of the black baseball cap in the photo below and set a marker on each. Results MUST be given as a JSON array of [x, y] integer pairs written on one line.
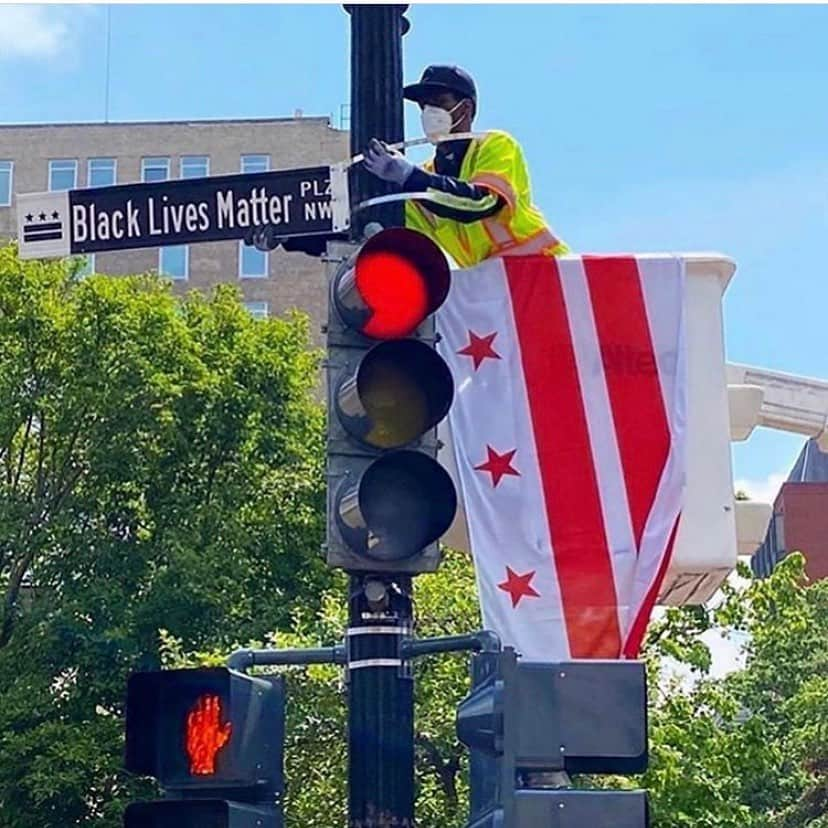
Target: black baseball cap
[[442, 79]]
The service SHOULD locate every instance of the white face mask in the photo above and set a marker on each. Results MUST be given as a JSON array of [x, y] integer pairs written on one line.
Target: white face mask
[[437, 121]]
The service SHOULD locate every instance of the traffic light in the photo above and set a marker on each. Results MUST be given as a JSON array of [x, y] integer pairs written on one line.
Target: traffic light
[[213, 738], [526, 719], [389, 500]]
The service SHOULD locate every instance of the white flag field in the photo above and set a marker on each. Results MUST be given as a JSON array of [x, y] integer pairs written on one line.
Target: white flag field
[[569, 426]]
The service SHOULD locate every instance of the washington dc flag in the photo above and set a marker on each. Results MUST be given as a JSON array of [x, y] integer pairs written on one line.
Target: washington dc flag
[[569, 431]]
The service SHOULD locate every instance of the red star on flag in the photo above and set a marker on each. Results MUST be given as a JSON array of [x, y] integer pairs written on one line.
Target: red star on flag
[[479, 348], [518, 586], [498, 465]]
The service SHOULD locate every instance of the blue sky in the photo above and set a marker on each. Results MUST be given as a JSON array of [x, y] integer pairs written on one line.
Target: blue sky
[[646, 128]]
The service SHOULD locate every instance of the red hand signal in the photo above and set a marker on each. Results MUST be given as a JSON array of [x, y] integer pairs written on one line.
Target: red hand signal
[[206, 736]]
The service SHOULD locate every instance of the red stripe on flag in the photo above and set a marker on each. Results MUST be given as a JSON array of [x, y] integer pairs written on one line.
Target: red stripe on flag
[[639, 625], [567, 470], [631, 371]]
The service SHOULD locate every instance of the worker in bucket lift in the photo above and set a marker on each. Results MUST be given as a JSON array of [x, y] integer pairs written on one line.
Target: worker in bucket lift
[[479, 203]]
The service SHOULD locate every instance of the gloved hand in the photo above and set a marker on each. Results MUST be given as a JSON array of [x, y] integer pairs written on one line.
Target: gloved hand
[[263, 237], [387, 164]]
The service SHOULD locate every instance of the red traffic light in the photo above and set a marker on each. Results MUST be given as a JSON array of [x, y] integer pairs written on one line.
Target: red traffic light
[[399, 277], [206, 728]]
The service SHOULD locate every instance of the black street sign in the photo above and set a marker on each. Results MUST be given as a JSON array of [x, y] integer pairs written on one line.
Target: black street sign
[[304, 202]]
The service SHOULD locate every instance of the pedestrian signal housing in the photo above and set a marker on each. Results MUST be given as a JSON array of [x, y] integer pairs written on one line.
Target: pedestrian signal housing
[[213, 738], [529, 722]]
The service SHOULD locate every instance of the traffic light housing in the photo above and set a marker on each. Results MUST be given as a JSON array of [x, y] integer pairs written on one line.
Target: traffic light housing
[[389, 500], [525, 719], [213, 738]]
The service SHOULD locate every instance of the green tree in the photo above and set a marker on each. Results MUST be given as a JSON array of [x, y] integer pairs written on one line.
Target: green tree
[[160, 467], [748, 749]]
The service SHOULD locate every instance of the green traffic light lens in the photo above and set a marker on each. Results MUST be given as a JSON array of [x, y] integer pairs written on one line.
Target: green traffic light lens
[[408, 501], [402, 502]]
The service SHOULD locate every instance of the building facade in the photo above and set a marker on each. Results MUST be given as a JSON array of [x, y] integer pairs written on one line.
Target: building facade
[[800, 518], [47, 157]]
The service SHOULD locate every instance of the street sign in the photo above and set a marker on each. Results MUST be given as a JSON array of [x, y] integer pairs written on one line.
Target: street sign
[[304, 202]]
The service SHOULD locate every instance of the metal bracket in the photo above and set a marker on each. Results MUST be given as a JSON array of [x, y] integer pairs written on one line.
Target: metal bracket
[[340, 198]]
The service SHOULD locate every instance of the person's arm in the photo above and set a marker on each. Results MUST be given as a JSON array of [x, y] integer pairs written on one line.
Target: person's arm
[[453, 198], [450, 197]]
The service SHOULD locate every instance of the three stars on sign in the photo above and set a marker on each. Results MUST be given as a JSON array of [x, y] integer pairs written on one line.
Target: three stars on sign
[[42, 216]]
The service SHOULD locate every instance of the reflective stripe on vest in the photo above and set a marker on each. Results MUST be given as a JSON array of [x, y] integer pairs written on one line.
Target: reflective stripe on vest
[[501, 187], [507, 245]]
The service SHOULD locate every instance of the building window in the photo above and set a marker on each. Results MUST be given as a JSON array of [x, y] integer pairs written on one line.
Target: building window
[[255, 163], [101, 172], [155, 169], [258, 310], [252, 262], [63, 174], [5, 183], [195, 166], [174, 261]]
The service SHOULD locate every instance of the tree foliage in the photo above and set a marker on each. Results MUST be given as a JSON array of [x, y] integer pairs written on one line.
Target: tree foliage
[[160, 467]]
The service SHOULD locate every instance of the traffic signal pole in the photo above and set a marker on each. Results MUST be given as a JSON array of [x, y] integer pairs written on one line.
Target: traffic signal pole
[[376, 102], [380, 682]]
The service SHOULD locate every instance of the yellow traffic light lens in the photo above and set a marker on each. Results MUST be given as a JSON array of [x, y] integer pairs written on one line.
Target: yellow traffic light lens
[[400, 390], [395, 404]]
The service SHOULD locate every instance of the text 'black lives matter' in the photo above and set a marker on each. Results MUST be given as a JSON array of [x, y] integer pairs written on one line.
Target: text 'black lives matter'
[[296, 202]]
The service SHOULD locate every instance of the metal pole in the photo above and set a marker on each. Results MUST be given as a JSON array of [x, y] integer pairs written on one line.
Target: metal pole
[[380, 615], [380, 686], [380, 704], [376, 102]]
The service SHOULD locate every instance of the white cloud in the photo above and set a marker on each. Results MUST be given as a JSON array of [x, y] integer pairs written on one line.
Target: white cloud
[[763, 490], [33, 31]]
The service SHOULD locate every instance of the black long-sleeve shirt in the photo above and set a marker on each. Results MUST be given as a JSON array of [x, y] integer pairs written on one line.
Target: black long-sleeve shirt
[[455, 199]]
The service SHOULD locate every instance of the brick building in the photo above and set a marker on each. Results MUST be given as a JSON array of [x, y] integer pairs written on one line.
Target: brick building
[[800, 518], [37, 158]]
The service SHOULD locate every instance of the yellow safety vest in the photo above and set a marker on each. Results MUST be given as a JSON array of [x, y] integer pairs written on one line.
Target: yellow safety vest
[[519, 229]]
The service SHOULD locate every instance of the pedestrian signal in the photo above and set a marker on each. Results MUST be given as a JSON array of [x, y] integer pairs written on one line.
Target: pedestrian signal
[[213, 738], [530, 724]]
